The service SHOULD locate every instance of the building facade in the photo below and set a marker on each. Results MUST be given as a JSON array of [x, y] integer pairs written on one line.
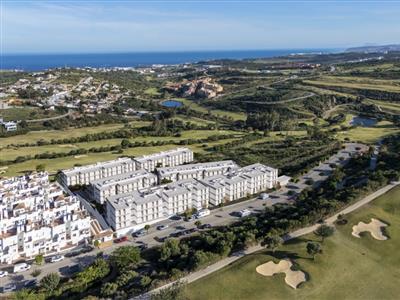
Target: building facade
[[161, 159], [37, 218], [84, 175], [122, 184], [197, 171]]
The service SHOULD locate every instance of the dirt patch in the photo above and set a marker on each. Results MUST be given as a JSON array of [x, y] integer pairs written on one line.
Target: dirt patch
[[374, 227], [68, 146], [292, 278], [80, 156]]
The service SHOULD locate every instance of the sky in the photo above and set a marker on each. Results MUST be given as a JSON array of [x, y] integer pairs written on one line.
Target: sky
[[187, 25]]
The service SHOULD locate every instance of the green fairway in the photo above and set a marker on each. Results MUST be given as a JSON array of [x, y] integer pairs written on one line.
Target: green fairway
[[26, 113], [369, 135], [349, 267]]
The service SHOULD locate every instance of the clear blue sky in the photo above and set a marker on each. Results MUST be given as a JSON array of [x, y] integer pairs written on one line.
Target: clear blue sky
[[129, 26]]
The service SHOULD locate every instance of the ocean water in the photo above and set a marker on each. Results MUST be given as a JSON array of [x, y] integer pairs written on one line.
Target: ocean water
[[37, 62]]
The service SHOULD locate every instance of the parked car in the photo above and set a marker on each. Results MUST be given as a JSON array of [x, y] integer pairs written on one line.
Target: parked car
[[202, 213], [30, 283], [244, 213], [3, 274], [22, 267], [205, 226], [263, 196], [121, 239], [74, 269], [9, 288], [140, 233], [162, 227], [189, 219], [175, 217], [142, 247], [177, 234], [73, 253], [56, 258]]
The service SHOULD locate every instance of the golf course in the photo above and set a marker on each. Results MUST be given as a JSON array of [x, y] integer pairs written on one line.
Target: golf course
[[348, 267]]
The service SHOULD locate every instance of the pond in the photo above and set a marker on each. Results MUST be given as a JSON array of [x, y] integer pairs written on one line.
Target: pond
[[171, 103], [363, 121]]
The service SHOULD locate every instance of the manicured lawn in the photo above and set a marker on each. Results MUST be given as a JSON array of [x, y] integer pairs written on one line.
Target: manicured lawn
[[34, 136], [369, 134], [152, 91], [348, 268], [52, 165]]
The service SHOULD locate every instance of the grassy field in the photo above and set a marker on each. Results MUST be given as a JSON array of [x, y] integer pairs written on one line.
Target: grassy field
[[193, 105], [387, 106], [52, 165], [369, 134], [357, 83], [348, 268], [34, 136], [12, 153], [26, 113]]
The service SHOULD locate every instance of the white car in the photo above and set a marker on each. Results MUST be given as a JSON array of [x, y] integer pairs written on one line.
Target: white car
[[22, 267], [3, 274], [162, 227], [56, 258]]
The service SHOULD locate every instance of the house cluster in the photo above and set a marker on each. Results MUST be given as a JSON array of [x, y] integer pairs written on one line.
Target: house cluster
[[36, 217], [198, 88], [9, 125], [149, 188]]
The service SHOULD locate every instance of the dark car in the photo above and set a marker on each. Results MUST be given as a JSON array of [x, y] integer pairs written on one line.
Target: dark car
[[177, 234], [121, 239], [30, 283], [73, 253], [205, 226], [74, 269]]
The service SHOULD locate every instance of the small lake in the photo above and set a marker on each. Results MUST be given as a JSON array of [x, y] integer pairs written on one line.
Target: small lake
[[363, 121], [171, 103]]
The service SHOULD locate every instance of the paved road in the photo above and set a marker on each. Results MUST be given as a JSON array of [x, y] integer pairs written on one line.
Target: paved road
[[219, 216], [235, 256], [50, 118]]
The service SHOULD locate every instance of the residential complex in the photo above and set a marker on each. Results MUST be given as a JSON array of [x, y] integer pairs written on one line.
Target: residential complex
[[198, 171], [161, 159], [120, 184], [86, 174], [37, 218], [132, 211]]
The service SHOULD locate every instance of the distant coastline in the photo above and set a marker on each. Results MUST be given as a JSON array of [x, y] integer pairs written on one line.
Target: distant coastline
[[38, 62]]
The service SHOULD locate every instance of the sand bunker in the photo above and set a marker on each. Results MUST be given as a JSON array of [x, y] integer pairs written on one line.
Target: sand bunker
[[374, 227], [68, 146], [80, 156], [292, 278]]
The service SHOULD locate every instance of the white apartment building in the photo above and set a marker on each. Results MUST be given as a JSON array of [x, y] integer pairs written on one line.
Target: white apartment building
[[122, 184], [259, 177], [84, 175], [37, 218], [198, 171], [217, 189], [133, 211], [200, 193], [169, 158], [176, 198]]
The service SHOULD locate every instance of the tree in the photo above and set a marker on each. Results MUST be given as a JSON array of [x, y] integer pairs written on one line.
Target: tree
[[324, 231], [96, 243], [50, 282], [40, 168], [147, 227], [313, 249], [109, 289], [125, 143], [27, 294], [272, 241], [145, 281], [169, 249], [39, 259], [197, 223], [174, 292], [125, 257]]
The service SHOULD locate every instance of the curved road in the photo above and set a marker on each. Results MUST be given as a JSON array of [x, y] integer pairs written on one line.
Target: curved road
[[50, 118]]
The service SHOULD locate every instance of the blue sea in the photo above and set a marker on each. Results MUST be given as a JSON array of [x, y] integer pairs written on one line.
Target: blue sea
[[37, 62]]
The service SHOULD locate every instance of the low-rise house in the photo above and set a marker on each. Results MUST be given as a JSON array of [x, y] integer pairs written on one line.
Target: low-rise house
[[37, 218]]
